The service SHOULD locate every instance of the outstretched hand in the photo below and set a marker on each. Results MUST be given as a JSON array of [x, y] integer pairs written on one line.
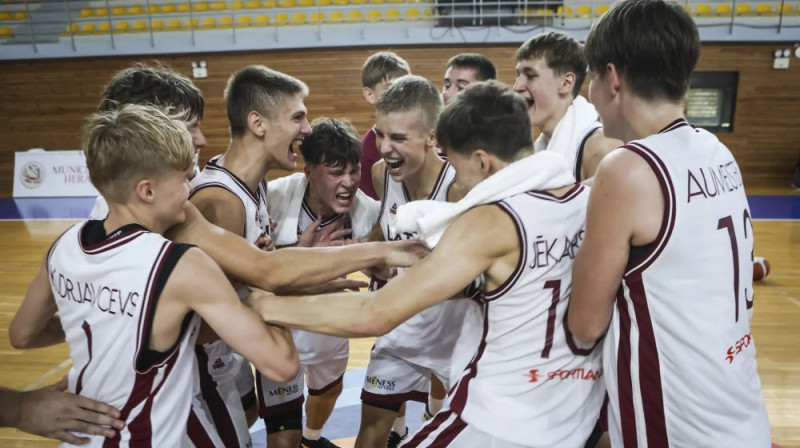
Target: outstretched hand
[[55, 413]]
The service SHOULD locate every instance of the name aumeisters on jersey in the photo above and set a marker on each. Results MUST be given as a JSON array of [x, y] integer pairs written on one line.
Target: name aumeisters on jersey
[[107, 299], [716, 180]]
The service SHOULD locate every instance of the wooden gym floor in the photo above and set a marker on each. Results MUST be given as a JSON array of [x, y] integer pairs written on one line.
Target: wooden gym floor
[[776, 322]]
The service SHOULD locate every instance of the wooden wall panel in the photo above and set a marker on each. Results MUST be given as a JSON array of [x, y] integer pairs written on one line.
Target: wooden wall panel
[[43, 103]]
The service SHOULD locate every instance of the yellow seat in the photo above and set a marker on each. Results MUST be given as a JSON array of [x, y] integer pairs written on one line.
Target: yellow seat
[[6, 16], [374, 15], [305, 3], [324, 2], [183, 7], [269, 3], [316, 17], [397, 1], [354, 17], [723, 9], [299, 18], [787, 8], [6, 32], [281, 19], [118, 11], [584, 11], [244, 21], [764, 9], [413, 14], [85, 12], [73, 28], [565, 11], [702, 9], [743, 9], [427, 14], [153, 9], [602, 9], [219, 6], [392, 15], [378, 2], [358, 2], [100, 12], [140, 25], [174, 24], [341, 2], [263, 20], [237, 5], [157, 25], [88, 28], [122, 27], [167, 8], [253, 4], [287, 3], [103, 27], [201, 6], [20, 15], [208, 23], [225, 22], [135, 10], [336, 17]]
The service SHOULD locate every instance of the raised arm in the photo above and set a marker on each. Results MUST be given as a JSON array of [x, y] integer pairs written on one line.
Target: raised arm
[[36, 323], [199, 284], [435, 279], [291, 267], [624, 188]]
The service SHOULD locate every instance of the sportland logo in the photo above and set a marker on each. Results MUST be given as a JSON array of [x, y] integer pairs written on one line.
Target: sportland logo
[[32, 175]]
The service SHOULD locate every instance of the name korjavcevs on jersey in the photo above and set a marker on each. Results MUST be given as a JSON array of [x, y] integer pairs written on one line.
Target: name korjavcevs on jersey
[[107, 299]]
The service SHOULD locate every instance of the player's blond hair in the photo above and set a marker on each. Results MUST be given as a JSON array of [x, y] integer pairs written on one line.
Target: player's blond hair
[[412, 93], [135, 142]]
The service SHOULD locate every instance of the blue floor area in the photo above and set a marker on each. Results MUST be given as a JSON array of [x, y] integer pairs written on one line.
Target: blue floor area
[[762, 207]]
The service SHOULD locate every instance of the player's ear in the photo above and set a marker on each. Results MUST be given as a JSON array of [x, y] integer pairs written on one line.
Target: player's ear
[[144, 191], [614, 78], [567, 83], [369, 95], [256, 124], [430, 139], [307, 170], [483, 161]]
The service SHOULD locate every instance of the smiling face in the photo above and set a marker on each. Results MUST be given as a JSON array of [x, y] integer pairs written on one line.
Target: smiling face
[[286, 131], [402, 142], [457, 79], [544, 92], [332, 189]]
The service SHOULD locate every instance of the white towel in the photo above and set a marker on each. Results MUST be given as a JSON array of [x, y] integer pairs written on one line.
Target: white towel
[[429, 219], [570, 130], [285, 199]]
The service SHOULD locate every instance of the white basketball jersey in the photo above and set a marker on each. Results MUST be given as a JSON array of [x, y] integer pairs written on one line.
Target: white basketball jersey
[[528, 381], [215, 174], [314, 348], [107, 290], [578, 160], [428, 338], [679, 356]]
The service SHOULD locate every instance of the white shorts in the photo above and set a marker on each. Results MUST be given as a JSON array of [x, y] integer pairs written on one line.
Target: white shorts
[[446, 429], [391, 380], [224, 377], [278, 398]]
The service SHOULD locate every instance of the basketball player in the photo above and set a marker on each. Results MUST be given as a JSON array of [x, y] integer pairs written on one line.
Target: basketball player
[[550, 71], [669, 240], [52, 412], [324, 195], [292, 269], [266, 116], [125, 298], [521, 380], [464, 69], [378, 72]]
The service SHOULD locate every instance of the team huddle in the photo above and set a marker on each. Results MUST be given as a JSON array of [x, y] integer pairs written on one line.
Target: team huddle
[[542, 292]]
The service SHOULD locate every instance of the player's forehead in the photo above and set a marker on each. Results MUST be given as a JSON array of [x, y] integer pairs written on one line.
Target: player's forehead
[[294, 107], [404, 122], [465, 74], [535, 64]]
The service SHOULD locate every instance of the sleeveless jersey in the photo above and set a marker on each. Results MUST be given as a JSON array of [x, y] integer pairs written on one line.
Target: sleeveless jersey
[[527, 380], [107, 291], [314, 348], [255, 204], [679, 356], [578, 160], [427, 338]]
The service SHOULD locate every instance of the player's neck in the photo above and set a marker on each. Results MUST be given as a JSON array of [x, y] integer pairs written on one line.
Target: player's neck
[[316, 205], [549, 126], [643, 118], [420, 184], [247, 160], [120, 215]]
